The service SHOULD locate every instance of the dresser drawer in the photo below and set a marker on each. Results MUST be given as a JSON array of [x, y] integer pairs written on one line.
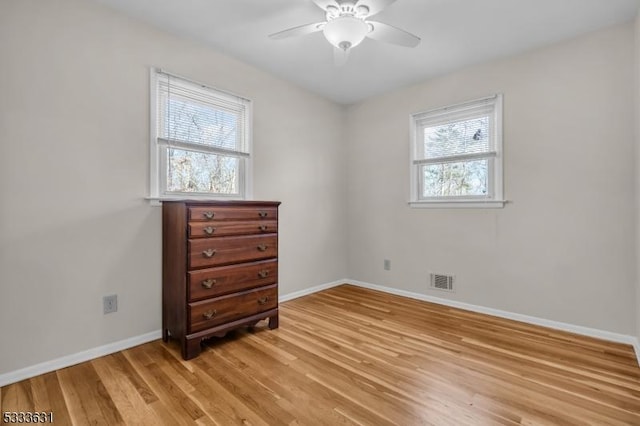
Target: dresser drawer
[[212, 282], [213, 213], [211, 312], [206, 252], [238, 227]]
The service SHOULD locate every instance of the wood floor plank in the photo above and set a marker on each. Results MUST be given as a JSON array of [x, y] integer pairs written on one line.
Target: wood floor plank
[[124, 392], [16, 397], [293, 391], [351, 356], [248, 391], [81, 407], [121, 364], [184, 410], [226, 400]]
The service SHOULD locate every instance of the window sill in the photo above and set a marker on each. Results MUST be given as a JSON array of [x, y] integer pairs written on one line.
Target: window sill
[[458, 204], [157, 201]]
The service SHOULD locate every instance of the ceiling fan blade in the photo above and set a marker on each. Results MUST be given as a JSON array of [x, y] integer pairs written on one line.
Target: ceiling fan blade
[[340, 56], [374, 6], [322, 4], [393, 35], [298, 31]]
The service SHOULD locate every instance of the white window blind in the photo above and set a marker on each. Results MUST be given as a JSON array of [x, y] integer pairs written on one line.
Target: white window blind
[[202, 139], [455, 133], [191, 114]]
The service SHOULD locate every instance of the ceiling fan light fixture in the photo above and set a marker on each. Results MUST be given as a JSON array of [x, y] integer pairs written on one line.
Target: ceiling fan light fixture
[[345, 32]]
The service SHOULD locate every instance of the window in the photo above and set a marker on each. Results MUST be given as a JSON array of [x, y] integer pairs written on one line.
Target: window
[[456, 155], [201, 140]]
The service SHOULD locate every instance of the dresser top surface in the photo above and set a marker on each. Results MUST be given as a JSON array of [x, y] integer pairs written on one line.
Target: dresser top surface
[[231, 203]]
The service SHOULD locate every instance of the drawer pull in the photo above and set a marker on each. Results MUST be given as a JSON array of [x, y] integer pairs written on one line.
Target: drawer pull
[[209, 314], [263, 227], [263, 300], [262, 247], [209, 230], [208, 215], [209, 253], [263, 274], [208, 283], [262, 214]]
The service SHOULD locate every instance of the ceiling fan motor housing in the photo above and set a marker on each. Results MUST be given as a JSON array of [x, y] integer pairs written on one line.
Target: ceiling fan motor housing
[[347, 9]]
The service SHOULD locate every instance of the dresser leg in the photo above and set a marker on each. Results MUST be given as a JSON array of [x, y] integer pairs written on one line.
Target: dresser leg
[[190, 348], [165, 335], [273, 321]]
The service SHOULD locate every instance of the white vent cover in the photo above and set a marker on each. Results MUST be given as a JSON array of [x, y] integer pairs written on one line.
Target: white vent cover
[[442, 282]]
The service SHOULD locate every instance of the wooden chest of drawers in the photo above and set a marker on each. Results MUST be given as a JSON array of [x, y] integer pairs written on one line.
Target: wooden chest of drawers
[[219, 268]]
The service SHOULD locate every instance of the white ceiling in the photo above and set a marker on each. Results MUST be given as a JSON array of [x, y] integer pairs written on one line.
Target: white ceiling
[[455, 34]]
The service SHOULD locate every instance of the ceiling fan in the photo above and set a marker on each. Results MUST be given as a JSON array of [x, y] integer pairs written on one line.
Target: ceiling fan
[[347, 24]]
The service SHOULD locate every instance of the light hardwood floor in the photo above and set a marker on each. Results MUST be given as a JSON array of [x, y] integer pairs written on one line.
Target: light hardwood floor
[[353, 356]]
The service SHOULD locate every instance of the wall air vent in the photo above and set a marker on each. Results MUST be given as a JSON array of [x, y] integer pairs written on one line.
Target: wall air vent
[[442, 282]]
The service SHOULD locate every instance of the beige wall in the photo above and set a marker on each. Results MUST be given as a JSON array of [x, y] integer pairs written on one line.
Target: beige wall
[[563, 248], [637, 121], [74, 88]]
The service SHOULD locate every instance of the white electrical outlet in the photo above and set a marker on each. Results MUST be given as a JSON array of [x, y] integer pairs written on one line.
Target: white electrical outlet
[[110, 304], [387, 265]]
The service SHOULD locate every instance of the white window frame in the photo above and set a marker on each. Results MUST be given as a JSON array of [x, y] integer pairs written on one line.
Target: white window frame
[[495, 196], [158, 148]]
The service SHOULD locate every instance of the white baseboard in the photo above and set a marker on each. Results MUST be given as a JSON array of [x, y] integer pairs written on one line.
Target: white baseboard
[[311, 290], [69, 360], [77, 358], [636, 348], [577, 329]]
